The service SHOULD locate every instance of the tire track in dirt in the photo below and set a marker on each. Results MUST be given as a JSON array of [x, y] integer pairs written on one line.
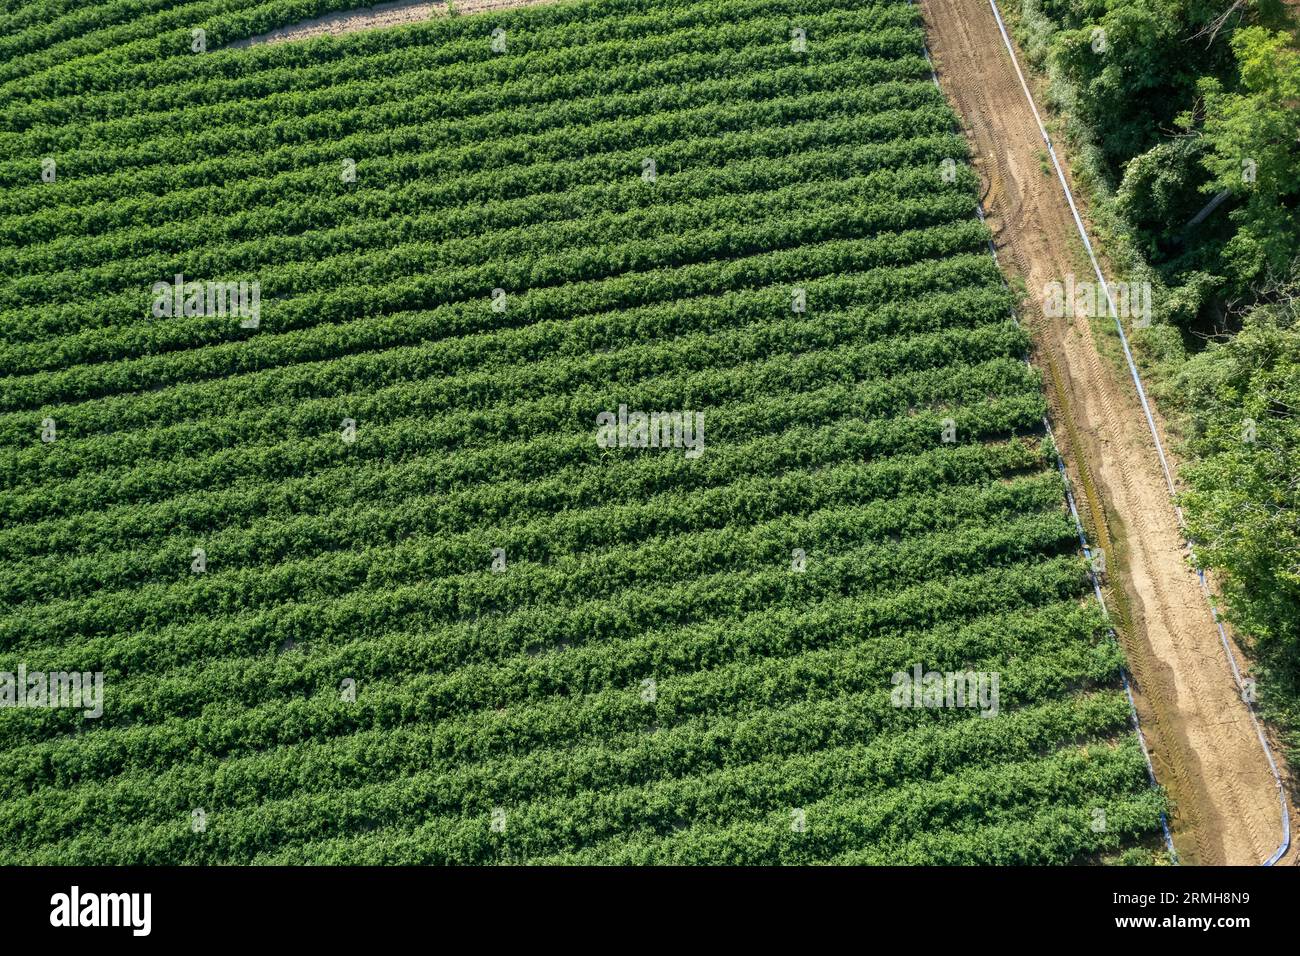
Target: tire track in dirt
[[1185, 818], [1206, 754]]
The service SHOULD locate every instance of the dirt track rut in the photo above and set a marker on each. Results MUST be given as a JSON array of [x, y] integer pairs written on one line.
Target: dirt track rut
[[1203, 743]]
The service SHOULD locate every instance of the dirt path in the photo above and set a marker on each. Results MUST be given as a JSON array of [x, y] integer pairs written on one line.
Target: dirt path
[[1203, 744], [379, 16]]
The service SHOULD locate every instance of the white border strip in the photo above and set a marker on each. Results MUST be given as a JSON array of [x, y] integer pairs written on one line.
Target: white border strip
[[1164, 463]]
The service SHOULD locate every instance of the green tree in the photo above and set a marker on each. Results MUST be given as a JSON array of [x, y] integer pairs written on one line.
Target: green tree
[[1130, 67], [1252, 137], [1243, 502]]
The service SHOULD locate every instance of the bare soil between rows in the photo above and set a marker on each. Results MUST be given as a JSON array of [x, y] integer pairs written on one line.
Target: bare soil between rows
[[380, 16]]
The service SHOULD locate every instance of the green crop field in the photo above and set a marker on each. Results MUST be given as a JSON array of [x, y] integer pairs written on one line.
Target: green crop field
[[378, 564]]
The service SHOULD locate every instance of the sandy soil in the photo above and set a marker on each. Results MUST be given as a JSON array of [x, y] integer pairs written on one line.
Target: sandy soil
[[377, 17], [1203, 743]]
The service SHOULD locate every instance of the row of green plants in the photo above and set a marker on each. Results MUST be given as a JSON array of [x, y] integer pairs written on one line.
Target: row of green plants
[[811, 676], [548, 79], [102, 61], [390, 511], [460, 630], [346, 319], [569, 418], [691, 746]]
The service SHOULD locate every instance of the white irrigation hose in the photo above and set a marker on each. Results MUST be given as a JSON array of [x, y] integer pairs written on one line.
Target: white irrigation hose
[[1087, 244], [1083, 540], [1155, 435]]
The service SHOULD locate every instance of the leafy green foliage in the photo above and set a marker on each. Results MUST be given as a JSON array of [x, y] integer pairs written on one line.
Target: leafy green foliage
[[523, 692], [1122, 57], [1253, 151], [1207, 104], [1243, 504]]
